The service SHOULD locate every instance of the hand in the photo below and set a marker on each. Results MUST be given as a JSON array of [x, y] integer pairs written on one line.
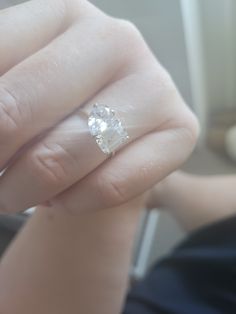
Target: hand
[[57, 58]]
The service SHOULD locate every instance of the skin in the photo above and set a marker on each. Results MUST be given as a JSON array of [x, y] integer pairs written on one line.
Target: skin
[[57, 58], [74, 256], [195, 201], [62, 263], [69, 264]]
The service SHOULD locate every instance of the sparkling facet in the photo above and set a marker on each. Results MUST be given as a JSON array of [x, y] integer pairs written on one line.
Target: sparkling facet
[[106, 128]]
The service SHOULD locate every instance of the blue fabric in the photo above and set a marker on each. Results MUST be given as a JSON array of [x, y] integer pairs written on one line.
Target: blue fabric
[[198, 277]]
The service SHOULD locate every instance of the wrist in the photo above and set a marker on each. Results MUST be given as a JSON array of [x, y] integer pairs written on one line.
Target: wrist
[[165, 194], [117, 224]]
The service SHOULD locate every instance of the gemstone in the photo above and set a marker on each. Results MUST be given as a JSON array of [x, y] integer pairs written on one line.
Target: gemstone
[[106, 128]]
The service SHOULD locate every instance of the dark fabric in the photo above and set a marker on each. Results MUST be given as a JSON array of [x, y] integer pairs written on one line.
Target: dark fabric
[[9, 226], [198, 277]]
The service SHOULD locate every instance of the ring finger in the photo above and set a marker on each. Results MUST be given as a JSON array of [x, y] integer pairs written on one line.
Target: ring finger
[[69, 153]]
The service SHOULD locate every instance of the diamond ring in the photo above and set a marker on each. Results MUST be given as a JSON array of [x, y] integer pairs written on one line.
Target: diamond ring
[[107, 129]]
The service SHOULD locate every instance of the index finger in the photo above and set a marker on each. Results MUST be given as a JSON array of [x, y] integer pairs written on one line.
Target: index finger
[[27, 27]]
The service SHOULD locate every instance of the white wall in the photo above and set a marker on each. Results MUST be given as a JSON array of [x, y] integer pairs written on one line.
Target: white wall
[[219, 24], [6, 3]]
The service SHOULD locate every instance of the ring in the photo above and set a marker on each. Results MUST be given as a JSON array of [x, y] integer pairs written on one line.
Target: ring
[[107, 129]]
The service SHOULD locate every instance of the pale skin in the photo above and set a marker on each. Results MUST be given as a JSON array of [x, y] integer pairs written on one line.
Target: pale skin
[[57, 57], [61, 263]]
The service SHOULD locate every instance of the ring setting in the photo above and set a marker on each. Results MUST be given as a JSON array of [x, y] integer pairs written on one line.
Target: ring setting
[[107, 129]]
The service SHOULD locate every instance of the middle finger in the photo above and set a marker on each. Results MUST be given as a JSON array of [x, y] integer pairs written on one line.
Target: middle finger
[[45, 88]]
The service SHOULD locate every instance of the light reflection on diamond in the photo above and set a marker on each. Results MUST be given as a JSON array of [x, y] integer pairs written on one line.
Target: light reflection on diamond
[[106, 128]]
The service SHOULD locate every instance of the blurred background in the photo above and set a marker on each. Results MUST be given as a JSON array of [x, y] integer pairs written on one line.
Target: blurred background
[[196, 41]]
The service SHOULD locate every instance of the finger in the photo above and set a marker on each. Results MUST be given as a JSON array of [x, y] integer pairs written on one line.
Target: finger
[[69, 153], [44, 89], [131, 172], [27, 27]]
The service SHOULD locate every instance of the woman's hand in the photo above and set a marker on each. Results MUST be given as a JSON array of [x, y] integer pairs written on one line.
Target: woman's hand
[[57, 58]]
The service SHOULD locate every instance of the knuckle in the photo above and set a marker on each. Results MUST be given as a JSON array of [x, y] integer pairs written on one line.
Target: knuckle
[[71, 9], [131, 34], [9, 112], [53, 164], [188, 128], [84, 10], [127, 27], [159, 83], [181, 117], [192, 127], [125, 32], [111, 190], [165, 81]]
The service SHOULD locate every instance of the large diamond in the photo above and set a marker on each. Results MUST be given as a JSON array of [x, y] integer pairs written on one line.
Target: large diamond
[[106, 128]]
